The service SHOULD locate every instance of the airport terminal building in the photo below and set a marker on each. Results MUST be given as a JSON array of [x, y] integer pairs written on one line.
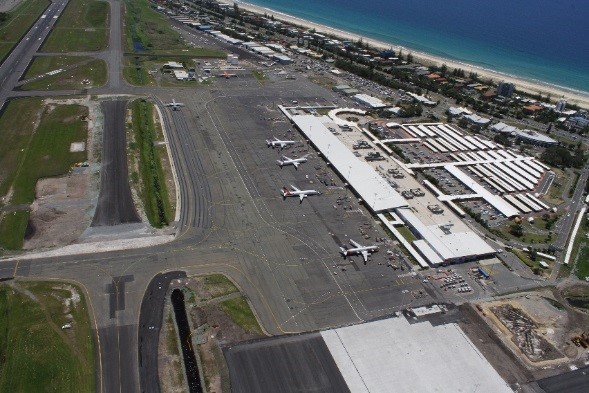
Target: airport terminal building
[[441, 237]]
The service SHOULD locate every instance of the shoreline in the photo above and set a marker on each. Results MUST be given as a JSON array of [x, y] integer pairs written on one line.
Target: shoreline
[[529, 86]]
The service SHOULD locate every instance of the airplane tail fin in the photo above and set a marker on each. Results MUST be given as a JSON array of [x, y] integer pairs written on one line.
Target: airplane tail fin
[[285, 192]]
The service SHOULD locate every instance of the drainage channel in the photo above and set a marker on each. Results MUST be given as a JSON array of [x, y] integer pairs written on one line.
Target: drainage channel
[[192, 372]]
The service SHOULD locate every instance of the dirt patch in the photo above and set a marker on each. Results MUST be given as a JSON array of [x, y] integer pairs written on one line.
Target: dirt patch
[[61, 211], [526, 333], [537, 327]]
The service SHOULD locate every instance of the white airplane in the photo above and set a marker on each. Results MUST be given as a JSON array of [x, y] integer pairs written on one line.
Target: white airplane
[[291, 161], [302, 194], [358, 249], [175, 105], [278, 143]]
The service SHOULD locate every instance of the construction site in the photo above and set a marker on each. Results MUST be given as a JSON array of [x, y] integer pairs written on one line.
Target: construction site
[[547, 331]]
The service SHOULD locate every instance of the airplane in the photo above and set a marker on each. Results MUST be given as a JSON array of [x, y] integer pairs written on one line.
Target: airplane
[[291, 161], [302, 194], [358, 249], [226, 75], [277, 142], [175, 105]]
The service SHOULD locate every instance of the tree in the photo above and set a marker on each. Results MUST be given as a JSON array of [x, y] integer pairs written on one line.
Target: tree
[[409, 58], [502, 139], [516, 230]]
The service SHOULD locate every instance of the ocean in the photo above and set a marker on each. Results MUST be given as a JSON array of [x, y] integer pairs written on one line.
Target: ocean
[[539, 40]]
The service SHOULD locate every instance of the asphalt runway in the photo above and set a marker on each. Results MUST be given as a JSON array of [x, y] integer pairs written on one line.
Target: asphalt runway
[[572, 382], [286, 364], [150, 323], [119, 345], [115, 203]]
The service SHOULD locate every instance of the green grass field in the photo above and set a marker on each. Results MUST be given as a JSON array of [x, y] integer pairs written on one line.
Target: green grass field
[[26, 156], [82, 27], [19, 21], [241, 314], [582, 265], [37, 355], [153, 188], [148, 29], [48, 153], [94, 71], [43, 64], [12, 229], [218, 285]]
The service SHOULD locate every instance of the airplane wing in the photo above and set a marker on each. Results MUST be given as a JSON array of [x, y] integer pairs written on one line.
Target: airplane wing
[[356, 244], [302, 196], [285, 158], [365, 255], [296, 164], [294, 188]]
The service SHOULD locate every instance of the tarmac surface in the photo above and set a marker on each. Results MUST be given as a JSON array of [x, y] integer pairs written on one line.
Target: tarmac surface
[[150, 323], [115, 203], [283, 255], [286, 364], [572, 382]]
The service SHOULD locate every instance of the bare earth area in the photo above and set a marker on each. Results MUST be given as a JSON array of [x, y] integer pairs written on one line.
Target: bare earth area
[[538, 328], [61, 212]]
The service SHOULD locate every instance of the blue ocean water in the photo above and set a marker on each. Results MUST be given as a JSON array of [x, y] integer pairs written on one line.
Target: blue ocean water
[[540, 40]]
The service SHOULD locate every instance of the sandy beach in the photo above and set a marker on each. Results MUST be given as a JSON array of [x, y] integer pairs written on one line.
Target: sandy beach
[[427, 59]]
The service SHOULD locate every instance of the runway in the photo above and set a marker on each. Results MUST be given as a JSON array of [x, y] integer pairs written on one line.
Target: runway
[[115, 203]]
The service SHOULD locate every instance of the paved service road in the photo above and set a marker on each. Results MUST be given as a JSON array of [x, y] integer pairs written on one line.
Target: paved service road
[[115, 203], [150, 323]]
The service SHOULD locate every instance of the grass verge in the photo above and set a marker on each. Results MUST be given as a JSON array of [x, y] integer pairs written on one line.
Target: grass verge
[[87, 74], [218, 285], [260, 76], [37, 355], [241, 314], [81, 28], [18, 23], [153, 190]]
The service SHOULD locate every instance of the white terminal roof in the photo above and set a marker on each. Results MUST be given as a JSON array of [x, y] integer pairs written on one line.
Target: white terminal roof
[[439, 246], [373, 189], [393, 355], [496, 201], [370, 101]]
